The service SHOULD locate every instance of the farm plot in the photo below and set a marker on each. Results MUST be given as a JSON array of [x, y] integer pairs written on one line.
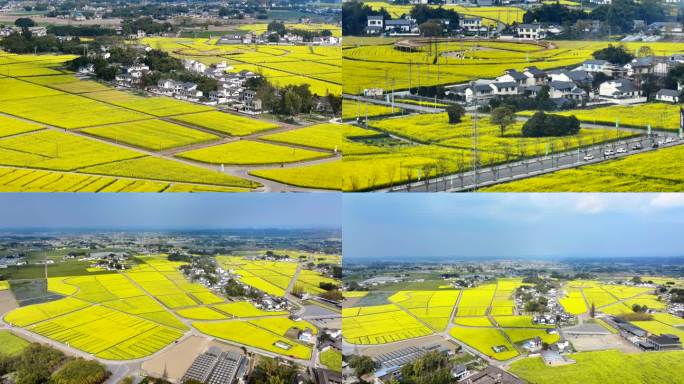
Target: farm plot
[[10, 344], [380, 324], [13, 89], [323, 136], [250, 153], [201, 313], [657, 171], [254, 336], [332, 359], [574, 303], [58, 151], [30, 180], [604, 367], [519, 335], [233, 125], [10, 126], [281, 325], [67, 83], [323, 176], [485, 340], [401, 164], [353, 109], [152, 105], [69, 111], [270, 277], [310, 281], [155, 135], [476, 301], [149, 167], [32, 314], [431, 307], [518, 322], [435, 128], [107, 333], [478, 321]]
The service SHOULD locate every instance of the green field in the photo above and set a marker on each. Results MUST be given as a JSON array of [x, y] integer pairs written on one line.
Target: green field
[[605, 367], [332, 359], [10, 344]]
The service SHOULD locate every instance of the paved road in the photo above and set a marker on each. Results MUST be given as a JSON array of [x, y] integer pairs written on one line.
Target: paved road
[[408, 107], [492, 175]]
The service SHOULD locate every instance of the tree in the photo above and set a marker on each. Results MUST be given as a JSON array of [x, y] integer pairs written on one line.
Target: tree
[[80, 371], [355, 16], [613, 54], [271, 371], [592, 311], [503, 117], [362, 365], [455, 112], [545, 125], [431, 29], [278, 27], [24, 22], [290, 103]]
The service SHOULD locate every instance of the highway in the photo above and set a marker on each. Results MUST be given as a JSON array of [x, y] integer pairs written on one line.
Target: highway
[[518, 170]]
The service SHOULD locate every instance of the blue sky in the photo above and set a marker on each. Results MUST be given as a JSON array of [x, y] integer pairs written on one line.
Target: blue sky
[[170, 211], [413, 226]]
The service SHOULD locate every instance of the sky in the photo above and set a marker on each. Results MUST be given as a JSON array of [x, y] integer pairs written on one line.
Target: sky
[[170, 211], [415, 226]]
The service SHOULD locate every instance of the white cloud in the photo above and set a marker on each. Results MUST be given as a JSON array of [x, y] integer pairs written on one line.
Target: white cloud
[[590, 204], [668, 200]]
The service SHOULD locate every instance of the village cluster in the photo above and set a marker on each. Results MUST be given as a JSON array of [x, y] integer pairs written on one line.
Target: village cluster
[[623, 86]]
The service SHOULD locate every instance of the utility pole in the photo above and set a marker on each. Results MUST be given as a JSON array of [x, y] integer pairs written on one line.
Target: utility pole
[[476, 146]]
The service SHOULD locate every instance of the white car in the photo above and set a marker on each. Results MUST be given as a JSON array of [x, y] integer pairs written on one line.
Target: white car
[[661, 142], [589, 157], [669, 140], [622, 150], [609, 152]]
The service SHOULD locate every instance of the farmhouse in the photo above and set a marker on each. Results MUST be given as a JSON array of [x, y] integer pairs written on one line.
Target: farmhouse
[[530, 32], [470, 24], [535, 76], [668, 95], [511, 75], [595, 66], [618, 89], [375, 25]]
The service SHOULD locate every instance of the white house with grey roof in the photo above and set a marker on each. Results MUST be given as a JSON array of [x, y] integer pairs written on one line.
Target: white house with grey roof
[[511, 75], [668, 96], [530, 31], [618, 89]]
